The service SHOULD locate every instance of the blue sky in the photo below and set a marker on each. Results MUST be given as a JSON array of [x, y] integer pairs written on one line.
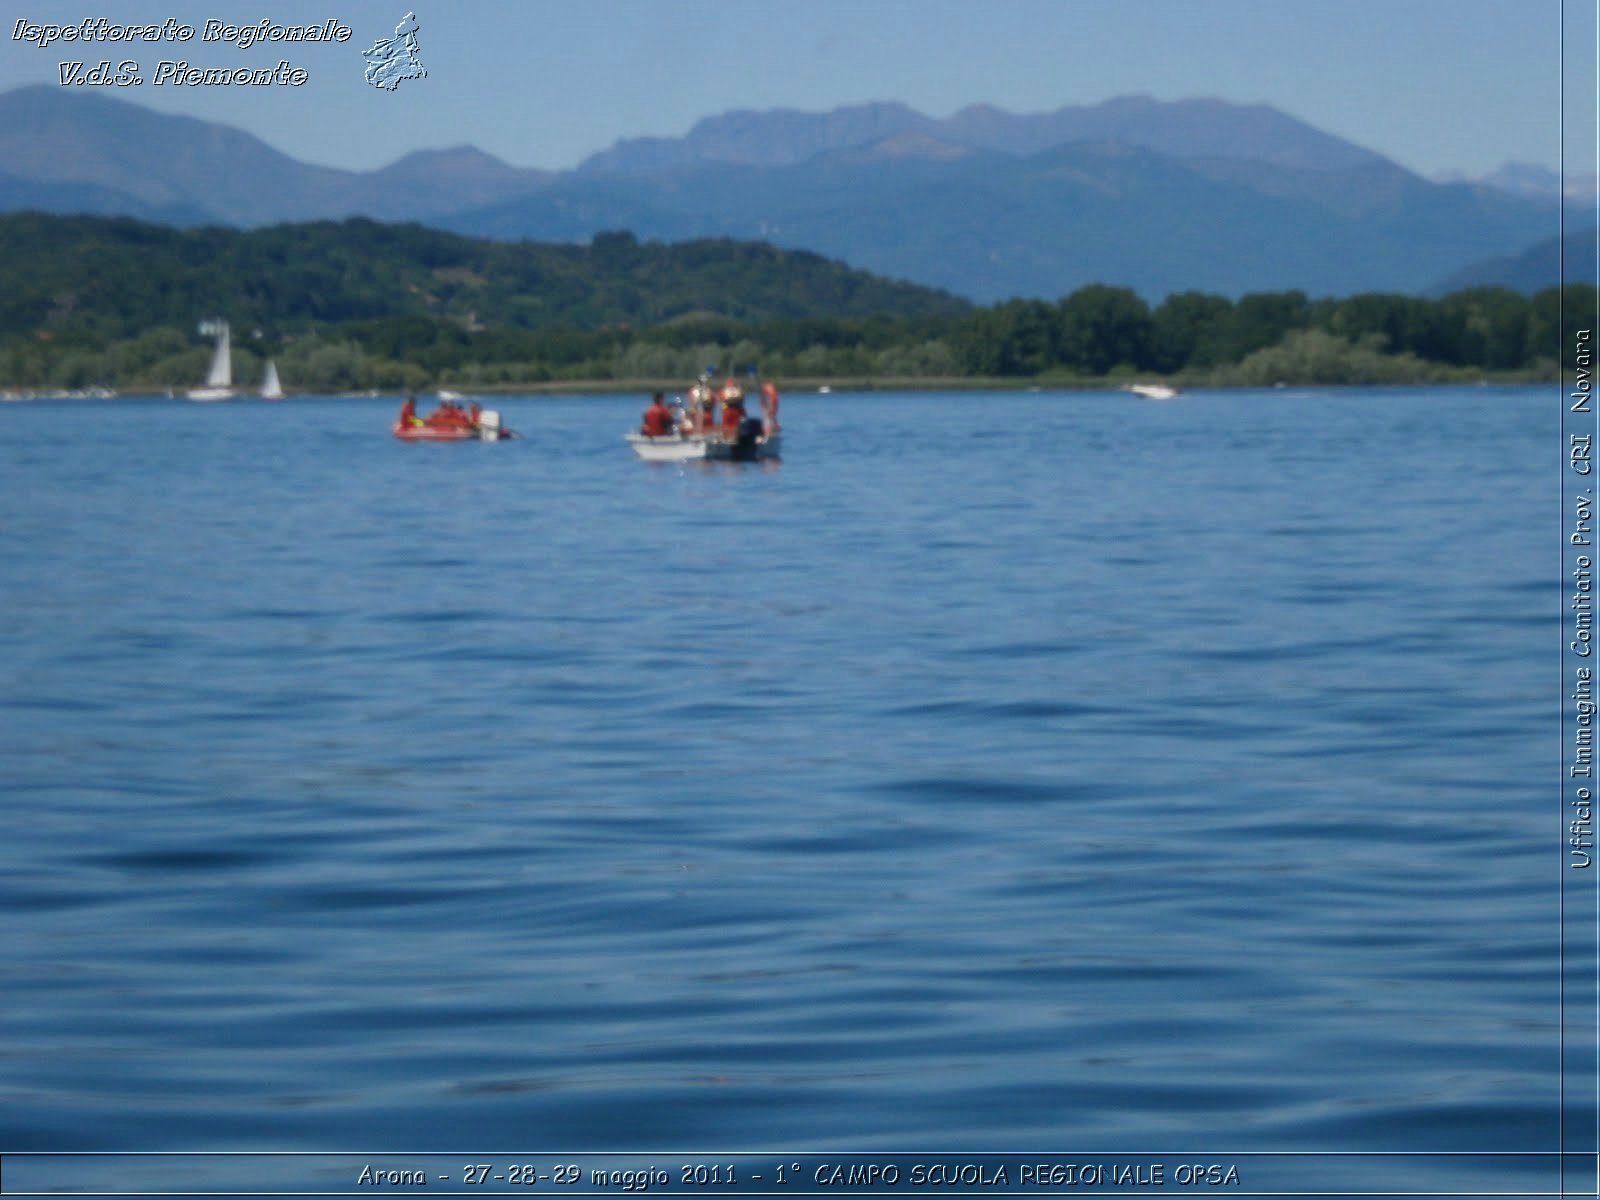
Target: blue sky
[[1437, 85]]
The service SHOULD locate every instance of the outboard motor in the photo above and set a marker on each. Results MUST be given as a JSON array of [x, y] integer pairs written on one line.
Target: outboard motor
[[744, 446], [489, 425]]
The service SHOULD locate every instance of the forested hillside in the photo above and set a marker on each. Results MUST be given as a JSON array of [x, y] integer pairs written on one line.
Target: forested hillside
[[119, 277], [357, 304]]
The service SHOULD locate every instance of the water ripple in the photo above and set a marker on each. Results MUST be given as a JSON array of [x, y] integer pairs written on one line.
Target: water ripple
[[907, 794]]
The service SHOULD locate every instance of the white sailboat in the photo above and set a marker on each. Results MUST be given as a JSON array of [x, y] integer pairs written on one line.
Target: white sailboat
[[219, 380], [271, 389]]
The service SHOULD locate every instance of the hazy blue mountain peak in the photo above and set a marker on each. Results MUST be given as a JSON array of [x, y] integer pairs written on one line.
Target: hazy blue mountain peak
[[1160, 195]]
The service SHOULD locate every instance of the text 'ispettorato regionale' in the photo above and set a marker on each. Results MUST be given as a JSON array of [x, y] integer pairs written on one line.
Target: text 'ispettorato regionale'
[[101, 33]]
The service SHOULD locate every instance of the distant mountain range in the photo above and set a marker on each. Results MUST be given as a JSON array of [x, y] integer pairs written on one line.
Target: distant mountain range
[[1572, 259], [1181, 129], [1159, 196], [1534, 182], [73, 153]]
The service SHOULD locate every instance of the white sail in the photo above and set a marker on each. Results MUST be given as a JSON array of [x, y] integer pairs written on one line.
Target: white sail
[[219, 380], [221, 374], [271, 389]]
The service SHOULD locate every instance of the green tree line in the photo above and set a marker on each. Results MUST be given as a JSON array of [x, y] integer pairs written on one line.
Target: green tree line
[[358, 304]]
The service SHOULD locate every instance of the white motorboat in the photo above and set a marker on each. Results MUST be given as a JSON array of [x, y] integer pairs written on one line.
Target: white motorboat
[[1154, 391], [693, 434], [676, 447]]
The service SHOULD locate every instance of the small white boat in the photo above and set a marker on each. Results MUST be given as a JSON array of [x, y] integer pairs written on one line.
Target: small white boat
[[219, 380], [675, 447], [271, 389], [1154, 391]]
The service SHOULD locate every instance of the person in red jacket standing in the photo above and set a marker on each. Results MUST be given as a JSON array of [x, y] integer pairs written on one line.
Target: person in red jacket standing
[[769, 409], [732, 414]]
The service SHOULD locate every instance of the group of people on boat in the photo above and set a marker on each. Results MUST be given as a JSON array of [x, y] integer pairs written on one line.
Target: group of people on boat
[[697, 414], [449, 415]]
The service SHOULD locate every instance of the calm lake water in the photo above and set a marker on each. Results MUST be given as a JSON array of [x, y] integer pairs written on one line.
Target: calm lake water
[[1041, 772]]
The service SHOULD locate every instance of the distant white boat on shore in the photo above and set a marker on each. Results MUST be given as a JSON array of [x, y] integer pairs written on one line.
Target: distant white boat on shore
[[1154, 391]]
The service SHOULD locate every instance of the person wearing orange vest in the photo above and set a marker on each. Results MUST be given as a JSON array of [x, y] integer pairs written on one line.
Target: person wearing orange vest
[[657, 418], [769, 409], [732, 415], [732, 397], [448, 415]]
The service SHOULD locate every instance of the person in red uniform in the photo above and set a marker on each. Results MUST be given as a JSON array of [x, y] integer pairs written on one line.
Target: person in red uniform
[[657, 418], [450, 415], [769, 409], [732, 397], [408, 413]]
